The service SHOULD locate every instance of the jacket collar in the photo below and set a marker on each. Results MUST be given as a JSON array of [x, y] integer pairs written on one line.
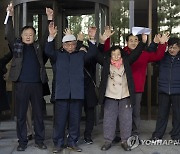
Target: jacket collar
[[127, 49], [63, 50]]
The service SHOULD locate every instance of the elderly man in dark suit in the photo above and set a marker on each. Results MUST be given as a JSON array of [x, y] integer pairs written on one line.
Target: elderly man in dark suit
[[69, 92]]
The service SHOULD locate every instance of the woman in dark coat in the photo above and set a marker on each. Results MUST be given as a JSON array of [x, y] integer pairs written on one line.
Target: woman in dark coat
[[3, 97], [117, 92]]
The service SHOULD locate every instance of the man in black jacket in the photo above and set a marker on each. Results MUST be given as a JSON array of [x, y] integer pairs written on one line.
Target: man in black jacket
[[169, 91], [28, 72]]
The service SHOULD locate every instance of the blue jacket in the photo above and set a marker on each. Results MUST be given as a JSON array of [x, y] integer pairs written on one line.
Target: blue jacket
[[69, 70], [169, 74]]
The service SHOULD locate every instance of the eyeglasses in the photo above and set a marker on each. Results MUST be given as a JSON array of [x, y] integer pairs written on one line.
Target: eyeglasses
[[68, 44]]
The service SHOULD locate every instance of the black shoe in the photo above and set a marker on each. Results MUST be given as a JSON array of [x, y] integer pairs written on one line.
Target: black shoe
[[140, 142], [41, 145], [88, 140], [106, 146], [117, 139], [30, 137], [21, 147], [125, 146], [57, 149], [74, 148]]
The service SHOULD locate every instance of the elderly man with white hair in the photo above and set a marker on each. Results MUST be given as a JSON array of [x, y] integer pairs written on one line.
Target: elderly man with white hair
[[69, 88]]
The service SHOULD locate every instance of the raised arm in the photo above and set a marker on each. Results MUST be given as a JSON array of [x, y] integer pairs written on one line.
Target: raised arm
[[49, 13], [92, 50], [158, 54], [9, 29], [104, 44], [80, 39], [50, 46], [154, 44]]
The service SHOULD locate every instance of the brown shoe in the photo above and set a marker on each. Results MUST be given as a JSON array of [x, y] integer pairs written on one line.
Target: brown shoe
[[106, 146], [125, 146]]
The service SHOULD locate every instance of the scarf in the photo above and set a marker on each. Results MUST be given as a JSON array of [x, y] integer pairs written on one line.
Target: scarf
[[117, 63]]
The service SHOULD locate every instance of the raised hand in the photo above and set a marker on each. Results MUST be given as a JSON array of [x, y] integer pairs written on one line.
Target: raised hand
[[49, 13], [10, 9], [80, 36], [156, 38], [92, 33], [107, 34], [108, 31], [52, 30], [144, 38], [67, 31], [164, 38]]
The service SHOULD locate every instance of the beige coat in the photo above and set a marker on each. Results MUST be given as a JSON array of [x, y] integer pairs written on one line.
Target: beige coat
[[117, 86]]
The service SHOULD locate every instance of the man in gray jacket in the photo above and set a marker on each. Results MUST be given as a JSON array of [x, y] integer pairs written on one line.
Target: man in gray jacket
[[28, 73]]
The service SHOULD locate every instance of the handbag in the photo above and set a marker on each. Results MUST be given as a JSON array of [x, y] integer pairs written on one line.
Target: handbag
[[96, 88]]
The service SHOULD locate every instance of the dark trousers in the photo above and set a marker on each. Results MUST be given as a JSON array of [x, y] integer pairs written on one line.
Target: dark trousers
[[67, 111], [90, 118], [165, 102], [136, 118], [25, 93], [114, 109]]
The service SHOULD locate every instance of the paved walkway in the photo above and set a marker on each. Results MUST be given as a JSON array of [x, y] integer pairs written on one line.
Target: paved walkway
[[8, 142]]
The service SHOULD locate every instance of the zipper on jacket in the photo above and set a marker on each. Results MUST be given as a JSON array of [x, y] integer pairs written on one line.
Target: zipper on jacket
[[69, 58], [170, 75]]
